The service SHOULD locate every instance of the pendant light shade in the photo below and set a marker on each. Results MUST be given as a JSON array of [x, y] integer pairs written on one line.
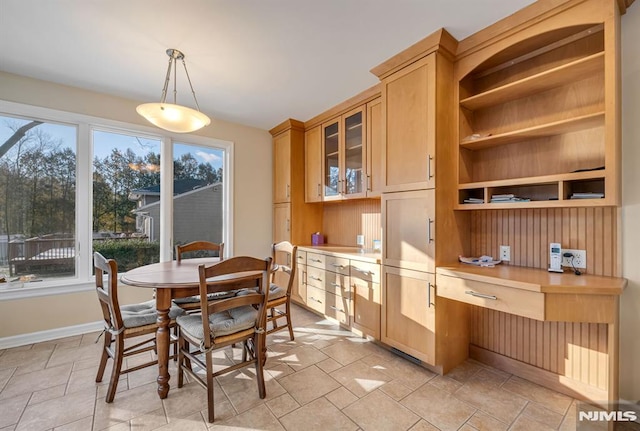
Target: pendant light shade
[[171, 116]]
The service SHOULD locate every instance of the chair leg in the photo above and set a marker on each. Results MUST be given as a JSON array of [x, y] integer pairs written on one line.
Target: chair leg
[[261, 358], [274, 318], [181, 359], [288, 309], [210, 386], [104, 357], [117, 366]]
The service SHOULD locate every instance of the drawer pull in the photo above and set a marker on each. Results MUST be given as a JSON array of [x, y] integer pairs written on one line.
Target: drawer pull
[[336, 285], [316, 300], [315, 278], [337, 265], [316, 260], [481, 295], [336, 308], [364, 271], [300, 257]]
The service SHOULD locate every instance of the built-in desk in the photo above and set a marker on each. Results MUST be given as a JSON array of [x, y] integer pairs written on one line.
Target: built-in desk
[[558, 330]]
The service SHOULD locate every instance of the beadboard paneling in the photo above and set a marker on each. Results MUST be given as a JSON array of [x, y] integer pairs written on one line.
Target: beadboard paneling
[[529, 232], [342, 221]]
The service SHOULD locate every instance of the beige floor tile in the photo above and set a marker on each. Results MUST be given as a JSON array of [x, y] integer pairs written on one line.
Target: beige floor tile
[[149, 421], [5, 375], [438, 407], [301, 357], [58, 411], [47, 394], [483, 422], [467, 427], [543, 415], [11, 409], [490, 376], [524, 423], [194, 422], [329, 365], [411, 375], [25, 361], [395, 390], [62, 343], [36, 380], [277, 370], [465, 371], [84, 379], [241, 388], [308, 384], [360, 378], [257, 418], [554, 401], [190, 399], [83, 424], [377, 411], [127, 405], [423, 425], [282, 405], [445, 383], [341, 397], [9, 428], [350, 350], [319, 415], [569, 421], [69, 355], [497, 402]]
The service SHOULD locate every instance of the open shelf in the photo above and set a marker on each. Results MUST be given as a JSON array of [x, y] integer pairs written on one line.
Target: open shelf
[[544, 179], [549, 129], [558, 76]]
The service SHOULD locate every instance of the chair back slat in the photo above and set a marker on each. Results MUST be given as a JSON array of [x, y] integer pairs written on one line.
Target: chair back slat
[[108, 295]]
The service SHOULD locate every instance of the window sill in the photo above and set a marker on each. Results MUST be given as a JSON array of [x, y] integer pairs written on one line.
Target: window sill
[[46, 288]]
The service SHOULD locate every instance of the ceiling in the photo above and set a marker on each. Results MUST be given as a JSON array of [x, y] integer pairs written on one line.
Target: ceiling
[[253, 62]]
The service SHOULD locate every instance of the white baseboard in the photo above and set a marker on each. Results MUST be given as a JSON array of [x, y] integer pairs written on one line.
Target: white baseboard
[[50, 334]]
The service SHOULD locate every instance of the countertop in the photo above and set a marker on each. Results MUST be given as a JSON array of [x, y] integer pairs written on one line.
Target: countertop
[[343, 251]]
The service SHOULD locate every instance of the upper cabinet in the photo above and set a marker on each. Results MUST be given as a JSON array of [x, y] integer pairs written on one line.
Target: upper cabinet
[[409, 127], [343, 145], [282, 167], [538, 115], [343, 150]]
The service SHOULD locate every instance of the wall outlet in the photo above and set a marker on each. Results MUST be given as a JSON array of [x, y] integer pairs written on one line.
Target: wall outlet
[[505, 253], [360, 240], [579, 258]]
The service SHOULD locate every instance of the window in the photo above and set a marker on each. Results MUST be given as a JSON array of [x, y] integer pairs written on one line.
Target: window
[[71, 184]]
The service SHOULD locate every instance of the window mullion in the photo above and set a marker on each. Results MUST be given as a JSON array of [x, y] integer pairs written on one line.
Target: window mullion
[[166, 200]]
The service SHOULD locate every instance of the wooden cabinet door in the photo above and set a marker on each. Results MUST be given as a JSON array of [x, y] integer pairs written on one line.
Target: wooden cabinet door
[[374, 148], [282, 168], [408, 313], [331, 181], [299, 291], [409, 114], [366, 306], [282, 222], [313, 165], [408, 223]]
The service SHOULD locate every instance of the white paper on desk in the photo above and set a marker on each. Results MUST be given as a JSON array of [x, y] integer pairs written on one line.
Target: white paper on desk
[[479, 261]]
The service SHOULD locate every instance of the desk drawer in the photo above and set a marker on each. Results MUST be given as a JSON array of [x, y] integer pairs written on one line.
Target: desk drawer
[[301, 257], [366, 271], [507, 299], [339, 265], [316, 260], [333, 306]]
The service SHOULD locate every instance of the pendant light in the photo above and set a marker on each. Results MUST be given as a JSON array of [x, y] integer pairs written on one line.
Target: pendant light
[[171, 116]]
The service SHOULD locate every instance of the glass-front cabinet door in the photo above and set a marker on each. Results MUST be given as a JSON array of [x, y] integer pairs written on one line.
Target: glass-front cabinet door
[[344, 156], [331, 150], [354, 153]]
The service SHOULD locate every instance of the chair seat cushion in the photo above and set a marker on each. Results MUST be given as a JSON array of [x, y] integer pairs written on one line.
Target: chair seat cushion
[[144, 313], [223, 323], [210, 297], [275, 292]]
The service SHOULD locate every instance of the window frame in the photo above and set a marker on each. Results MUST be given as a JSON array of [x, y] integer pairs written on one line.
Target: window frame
[[86, 125]]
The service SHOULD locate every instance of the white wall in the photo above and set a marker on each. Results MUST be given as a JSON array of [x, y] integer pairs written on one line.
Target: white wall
[[630, 304], [252, 197]]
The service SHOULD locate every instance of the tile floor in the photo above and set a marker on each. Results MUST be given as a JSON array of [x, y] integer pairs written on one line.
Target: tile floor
[[327, 379]]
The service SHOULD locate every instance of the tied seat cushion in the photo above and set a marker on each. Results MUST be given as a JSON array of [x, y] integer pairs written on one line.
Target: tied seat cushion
[[223, 323], [142, 314], [275, 292], [210, 297]]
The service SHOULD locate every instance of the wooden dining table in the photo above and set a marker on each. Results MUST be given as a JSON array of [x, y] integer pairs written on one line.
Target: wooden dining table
[[173, 280]]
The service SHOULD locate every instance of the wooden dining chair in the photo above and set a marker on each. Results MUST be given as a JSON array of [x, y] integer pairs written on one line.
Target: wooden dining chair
[[235, 320], [196, 249], [282, 278], [124, 322]]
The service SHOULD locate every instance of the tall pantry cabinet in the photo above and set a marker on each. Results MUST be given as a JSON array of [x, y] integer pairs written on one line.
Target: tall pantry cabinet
[[418, 170]]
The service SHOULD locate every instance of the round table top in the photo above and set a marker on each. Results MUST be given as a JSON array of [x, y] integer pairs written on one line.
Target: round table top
[[167, 274]]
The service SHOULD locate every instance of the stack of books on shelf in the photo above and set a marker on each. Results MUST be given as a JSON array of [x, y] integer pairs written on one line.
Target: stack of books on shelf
[[587, 195], [506, 198], [473, 201]]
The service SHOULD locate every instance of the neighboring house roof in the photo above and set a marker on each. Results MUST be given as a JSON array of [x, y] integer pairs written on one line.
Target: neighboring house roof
[[179, 187], [178, 196]]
